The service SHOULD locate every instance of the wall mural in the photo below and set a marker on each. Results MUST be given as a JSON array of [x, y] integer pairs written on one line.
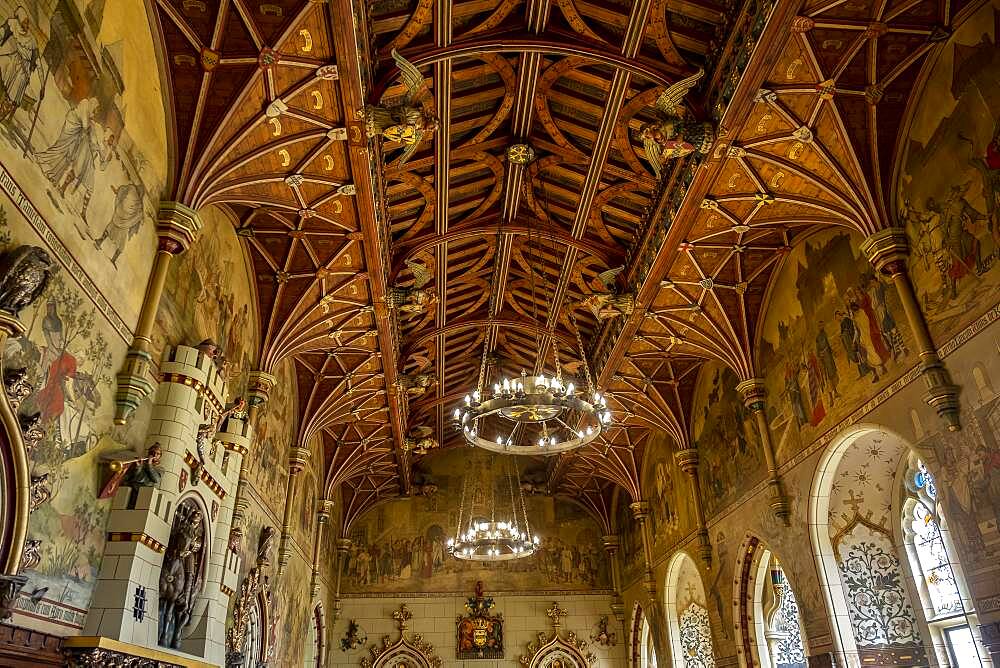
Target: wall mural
[[732, 459], [630, 540], [401, 546], [669, 499], [969, 462], [78, 135], [71, 353], [833, 336], [275, 429], [292, 611], [952, 216], [208, 295]]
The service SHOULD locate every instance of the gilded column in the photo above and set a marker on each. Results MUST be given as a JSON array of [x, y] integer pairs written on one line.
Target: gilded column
[[753, 397], [343, 549], [258, 393], [887, 251], [297, 460], [611, 544], [687, 460], [323, 509], [177, 227], [654, 611], [640, 511]]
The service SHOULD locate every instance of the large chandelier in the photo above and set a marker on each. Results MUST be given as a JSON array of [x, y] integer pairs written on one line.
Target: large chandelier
[[533, 415], [483, 535]]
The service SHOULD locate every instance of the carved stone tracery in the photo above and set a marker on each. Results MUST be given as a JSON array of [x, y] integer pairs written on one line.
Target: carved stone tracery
[[413, 651]]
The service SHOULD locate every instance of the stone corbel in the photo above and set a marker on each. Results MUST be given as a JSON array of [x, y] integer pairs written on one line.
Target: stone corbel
[[888, 251]]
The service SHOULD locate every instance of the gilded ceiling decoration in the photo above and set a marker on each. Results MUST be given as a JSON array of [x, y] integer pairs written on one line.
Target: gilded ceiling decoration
[[386, 262]]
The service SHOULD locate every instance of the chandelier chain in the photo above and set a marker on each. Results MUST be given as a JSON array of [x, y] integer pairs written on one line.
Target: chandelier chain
[[583, 353]]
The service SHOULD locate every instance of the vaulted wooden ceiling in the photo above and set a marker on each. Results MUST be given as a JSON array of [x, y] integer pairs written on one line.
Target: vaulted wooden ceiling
[[807, 99]]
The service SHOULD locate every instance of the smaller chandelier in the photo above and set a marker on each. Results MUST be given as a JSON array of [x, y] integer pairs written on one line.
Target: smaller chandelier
[[480, 535]]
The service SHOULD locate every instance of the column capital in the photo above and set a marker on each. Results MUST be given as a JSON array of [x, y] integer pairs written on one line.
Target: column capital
[[344, 545], [887, 250], [177, 226], [259, 386], [640, 510], [323, 509], [610, 543], [753, 392], [297, 460], [687, 460]]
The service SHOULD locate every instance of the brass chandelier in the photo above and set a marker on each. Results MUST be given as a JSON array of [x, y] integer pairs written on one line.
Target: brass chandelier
[[533, 415], [480, 534]]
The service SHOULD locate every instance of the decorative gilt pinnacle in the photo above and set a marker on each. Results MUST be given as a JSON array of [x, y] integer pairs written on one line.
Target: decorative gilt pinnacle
[[402, 617], [555, 613]]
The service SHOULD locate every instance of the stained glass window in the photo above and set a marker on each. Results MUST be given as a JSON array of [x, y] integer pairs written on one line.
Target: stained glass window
[[696, 637], [932, 556]]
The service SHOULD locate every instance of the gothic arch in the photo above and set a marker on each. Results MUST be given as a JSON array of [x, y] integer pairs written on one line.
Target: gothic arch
[[760, 605], [688, 629], [15, 487]]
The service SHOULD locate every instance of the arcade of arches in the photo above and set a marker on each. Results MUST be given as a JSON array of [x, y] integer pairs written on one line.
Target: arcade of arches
[[255, 253]]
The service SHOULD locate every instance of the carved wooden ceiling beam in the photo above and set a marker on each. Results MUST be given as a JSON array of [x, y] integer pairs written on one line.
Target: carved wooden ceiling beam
[[656, 72], [442, 188], [368, 203]]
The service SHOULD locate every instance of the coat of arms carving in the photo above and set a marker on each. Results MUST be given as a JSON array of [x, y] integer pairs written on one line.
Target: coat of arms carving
[[480, 634]]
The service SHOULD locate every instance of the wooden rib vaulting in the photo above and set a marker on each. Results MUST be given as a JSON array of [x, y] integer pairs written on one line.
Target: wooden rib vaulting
[[265, 102]]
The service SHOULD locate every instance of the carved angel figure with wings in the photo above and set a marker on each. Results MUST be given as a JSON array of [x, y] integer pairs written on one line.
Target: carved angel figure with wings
[[415, 299], [405, 121], [672, 135], [608, 303]]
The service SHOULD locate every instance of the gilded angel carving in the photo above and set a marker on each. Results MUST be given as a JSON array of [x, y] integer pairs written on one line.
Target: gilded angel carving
[[406, 121], [673, 135], [416, 298], [609, 303]]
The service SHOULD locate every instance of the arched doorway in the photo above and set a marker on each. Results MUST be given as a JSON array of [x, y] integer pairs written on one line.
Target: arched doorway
[[687, 615], [895, 590], [643, 652], [768, 625]]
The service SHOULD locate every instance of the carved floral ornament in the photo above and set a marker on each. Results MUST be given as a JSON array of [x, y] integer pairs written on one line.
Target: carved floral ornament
[[555, 650], [404, 652]]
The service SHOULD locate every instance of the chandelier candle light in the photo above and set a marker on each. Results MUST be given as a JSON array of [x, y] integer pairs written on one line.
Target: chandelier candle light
[[563, 418], [480, 536]]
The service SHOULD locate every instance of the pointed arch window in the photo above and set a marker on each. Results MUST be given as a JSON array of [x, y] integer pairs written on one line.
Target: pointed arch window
[[947, 608], [932, 556]]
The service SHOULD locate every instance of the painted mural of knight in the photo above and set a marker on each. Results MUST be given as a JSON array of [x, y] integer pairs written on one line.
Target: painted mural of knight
[[952, 216], [65, 115]]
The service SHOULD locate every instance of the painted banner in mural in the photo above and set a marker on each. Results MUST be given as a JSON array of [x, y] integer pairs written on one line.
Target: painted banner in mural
[[401, 546], [71, 353]]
